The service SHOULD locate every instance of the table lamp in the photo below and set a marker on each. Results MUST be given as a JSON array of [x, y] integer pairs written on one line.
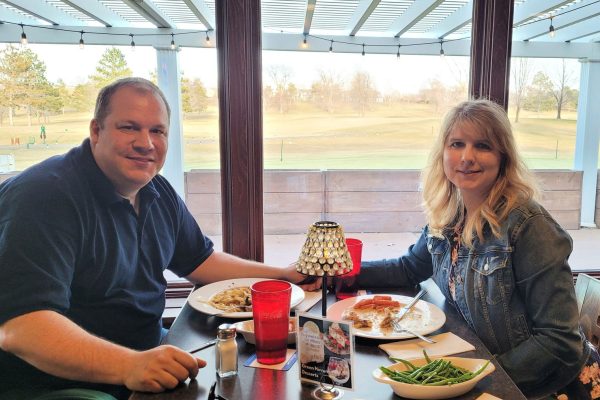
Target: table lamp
[[324, 254]]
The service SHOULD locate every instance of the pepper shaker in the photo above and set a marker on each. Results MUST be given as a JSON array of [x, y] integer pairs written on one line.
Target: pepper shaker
[[226, 351]]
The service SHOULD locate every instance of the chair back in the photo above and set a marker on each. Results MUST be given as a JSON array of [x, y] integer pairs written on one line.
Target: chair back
[[587, 290]]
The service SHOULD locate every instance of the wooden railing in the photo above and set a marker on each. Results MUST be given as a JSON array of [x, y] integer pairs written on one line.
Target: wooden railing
[[360, 200]]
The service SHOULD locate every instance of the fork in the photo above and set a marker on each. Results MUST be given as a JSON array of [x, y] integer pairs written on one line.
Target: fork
[[399, 328]]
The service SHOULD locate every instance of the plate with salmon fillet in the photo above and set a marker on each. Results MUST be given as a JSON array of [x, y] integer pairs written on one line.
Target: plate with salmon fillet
[[371, 316]]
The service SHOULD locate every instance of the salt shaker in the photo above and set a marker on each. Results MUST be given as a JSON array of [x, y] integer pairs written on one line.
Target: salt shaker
[[226, 351]]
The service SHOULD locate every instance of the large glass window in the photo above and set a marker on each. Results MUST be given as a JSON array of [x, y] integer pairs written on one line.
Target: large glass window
[[543, 110]]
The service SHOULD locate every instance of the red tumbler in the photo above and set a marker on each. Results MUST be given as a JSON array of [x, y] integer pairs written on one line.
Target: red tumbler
[[271, 313], [347, 285]]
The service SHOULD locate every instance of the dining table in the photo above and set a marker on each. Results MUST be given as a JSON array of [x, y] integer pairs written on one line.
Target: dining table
[[191, 328]]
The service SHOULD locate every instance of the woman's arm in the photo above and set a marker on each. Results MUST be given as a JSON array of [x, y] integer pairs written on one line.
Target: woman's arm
[[545, 283], [413, 267]]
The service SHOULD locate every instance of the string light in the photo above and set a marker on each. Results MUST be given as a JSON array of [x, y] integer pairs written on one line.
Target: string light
[[363, 52], [207, 39], [441, 48], [172, 41], [132, 42], [23, 36], [304, 43], [551, 29], [331, 47], [81, 41], [398, 53]]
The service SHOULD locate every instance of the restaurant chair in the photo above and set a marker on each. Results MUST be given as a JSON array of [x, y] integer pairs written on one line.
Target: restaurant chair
[[587, 290]]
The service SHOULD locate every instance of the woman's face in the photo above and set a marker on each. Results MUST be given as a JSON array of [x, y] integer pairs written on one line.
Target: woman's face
[[471, 163]]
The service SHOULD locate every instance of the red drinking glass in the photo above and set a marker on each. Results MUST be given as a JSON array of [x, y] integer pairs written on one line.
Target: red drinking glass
[[271, 313], [347, 285]]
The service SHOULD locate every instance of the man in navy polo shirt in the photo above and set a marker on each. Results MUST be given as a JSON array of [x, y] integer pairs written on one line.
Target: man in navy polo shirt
[[84, 240]]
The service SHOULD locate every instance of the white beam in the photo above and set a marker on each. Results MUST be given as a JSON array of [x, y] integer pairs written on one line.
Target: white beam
[[453, 22], [413, 15], [148, 10], [357, 15], [533, 8], [588, 137], [42, 10], [169, 82], [6, 14], [308, 16], [571, 23], [362, 14], [97, 11], [202, 12]]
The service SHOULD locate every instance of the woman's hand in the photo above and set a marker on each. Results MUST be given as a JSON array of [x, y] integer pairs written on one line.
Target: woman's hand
[[308, 283]]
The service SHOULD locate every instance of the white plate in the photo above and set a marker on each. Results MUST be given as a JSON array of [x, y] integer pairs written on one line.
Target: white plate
[[198, 298], [423, 318]]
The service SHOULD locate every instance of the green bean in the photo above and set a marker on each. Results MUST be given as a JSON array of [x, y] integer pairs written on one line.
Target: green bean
[[438, 372]]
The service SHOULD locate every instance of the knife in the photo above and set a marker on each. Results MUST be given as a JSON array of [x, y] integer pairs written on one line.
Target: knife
[[203, 346], [410, 305]]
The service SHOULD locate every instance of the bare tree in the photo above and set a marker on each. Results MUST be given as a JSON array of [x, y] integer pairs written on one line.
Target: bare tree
[[520, 80], [561, 87], [281, 89], [327, 91], [362, 92]]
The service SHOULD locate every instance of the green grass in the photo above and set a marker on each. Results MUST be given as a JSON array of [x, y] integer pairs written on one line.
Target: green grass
[[395, 136]]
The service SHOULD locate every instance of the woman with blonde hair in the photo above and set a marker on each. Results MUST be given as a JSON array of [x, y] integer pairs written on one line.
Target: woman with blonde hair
[[495, 253]]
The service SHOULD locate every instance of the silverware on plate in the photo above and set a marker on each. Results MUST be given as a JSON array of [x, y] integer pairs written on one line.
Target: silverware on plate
[[399, 328], [410, 305]]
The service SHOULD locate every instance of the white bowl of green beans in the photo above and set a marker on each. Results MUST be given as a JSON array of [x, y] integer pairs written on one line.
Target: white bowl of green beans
[[435, 377]]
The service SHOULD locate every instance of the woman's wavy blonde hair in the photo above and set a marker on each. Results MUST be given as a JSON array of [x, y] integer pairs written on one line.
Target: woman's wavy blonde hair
[[515, 185]]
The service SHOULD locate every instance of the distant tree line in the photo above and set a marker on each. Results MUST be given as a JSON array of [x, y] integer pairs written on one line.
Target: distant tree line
[[331, 93], [26, 89]]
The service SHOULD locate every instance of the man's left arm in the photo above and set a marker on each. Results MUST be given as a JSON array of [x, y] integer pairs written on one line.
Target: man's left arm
[[221, 266]]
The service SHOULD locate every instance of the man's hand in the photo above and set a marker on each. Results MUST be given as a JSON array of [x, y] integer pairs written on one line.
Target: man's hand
[[161, 368]]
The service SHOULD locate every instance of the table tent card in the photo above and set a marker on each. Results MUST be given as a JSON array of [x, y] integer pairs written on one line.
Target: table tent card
[[325, 351]]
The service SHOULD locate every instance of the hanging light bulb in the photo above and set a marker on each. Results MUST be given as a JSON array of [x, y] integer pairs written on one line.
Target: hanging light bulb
[[207, 39], [331, 47], [398, 53], [441, 48], [551, 29], [23, 36], [132, 42], [304, 43], [363, 52], [81, 44], [172, 41]]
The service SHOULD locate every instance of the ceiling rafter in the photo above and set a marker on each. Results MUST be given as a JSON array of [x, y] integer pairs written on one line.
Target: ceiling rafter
[[416, 12], [455, 21], [540, 28], [534, 8], [362, 12], [42, 11], [95, 11], [149, 11], [201, 11], [310, 10]]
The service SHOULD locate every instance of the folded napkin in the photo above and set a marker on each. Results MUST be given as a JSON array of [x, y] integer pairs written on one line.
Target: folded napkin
[[290, 359], [487, 396], [446, 343], [310, 299]]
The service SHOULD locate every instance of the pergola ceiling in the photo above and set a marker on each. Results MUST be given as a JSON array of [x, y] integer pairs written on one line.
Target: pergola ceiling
[[381, 25]]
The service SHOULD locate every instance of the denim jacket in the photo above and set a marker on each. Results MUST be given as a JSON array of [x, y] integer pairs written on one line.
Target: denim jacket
[[516, 292]]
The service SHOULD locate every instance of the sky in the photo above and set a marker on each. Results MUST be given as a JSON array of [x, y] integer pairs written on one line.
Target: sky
[[408, 74]]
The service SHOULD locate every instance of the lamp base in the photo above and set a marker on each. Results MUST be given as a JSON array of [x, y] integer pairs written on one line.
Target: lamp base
[[322, 393]]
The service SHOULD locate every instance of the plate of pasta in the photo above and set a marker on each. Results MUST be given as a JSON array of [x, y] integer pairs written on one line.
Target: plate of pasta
[[232, 298]]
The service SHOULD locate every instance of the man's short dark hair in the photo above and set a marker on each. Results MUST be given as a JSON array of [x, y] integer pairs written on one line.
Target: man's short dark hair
[[102, 108]]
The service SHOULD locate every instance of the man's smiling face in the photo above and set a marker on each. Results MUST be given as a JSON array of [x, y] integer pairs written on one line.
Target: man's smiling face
[[130, 144]]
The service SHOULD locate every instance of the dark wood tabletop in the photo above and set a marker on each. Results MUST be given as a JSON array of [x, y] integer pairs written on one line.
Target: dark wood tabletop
[[192, 328]]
